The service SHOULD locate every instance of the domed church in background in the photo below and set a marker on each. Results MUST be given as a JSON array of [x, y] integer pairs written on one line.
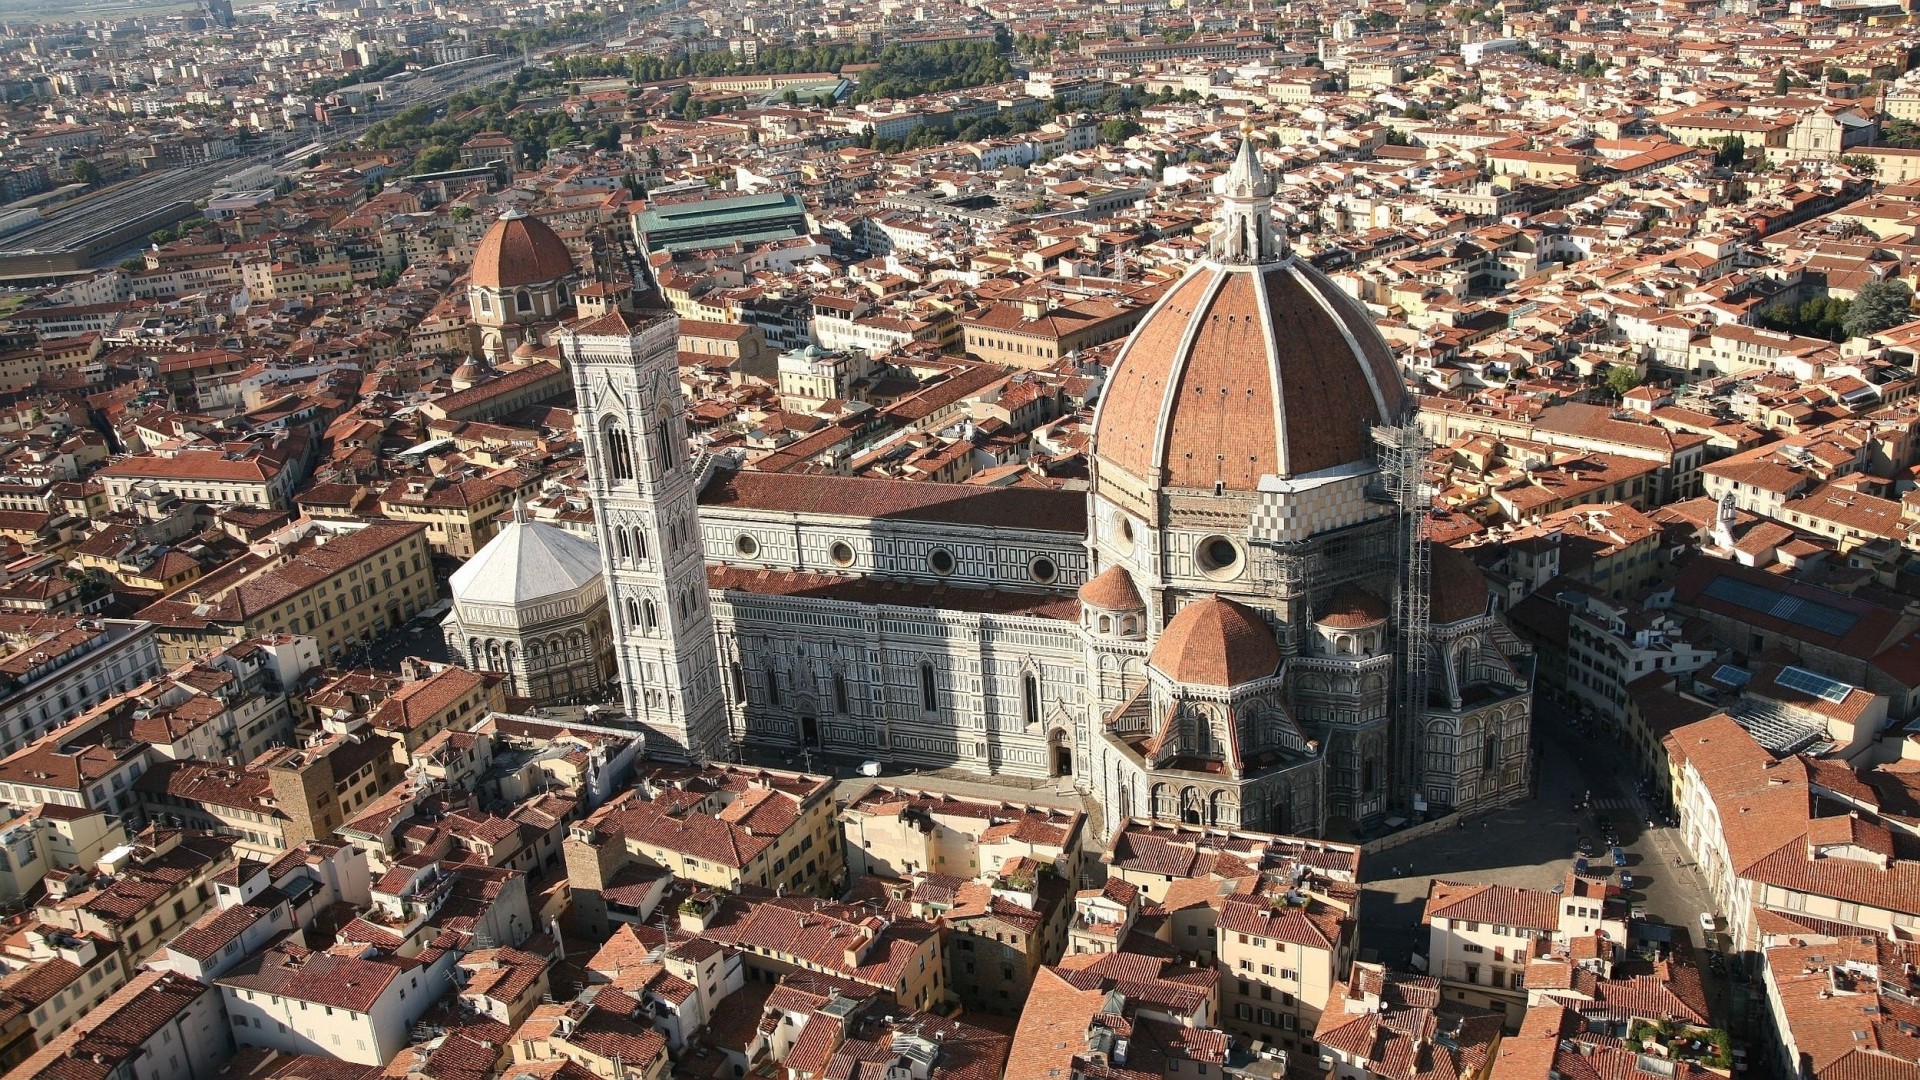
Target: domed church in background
[[1230, 626], [520, 286]]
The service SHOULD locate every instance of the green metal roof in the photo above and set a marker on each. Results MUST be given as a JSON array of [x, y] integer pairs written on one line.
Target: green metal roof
[[783, 232], [707, 213]]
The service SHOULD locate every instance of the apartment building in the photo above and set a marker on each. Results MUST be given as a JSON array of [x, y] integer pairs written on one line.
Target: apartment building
[[159, 1026], [39, 840], [1787, 835], [355, 1006], [279, 800], [895, 832], [247, 477], [898, 955], [1379, 1015], [146, 893], [1480, 938], [720, 825], [340, 583], [57, 667], [58, 978]]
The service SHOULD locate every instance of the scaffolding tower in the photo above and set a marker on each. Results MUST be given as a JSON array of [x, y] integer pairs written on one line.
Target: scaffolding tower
[[1403, 454]]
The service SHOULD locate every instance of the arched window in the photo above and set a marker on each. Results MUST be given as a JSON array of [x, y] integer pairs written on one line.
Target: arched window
[[739, 682], [663, 440], [649, 617], [633, 613], [620, 543], [639, 543], [486, 303], [523, 301], [1217, 809], [1490, 752], [618, 453], [929, 689], [773, 688], [1106, 624], [1030, 697], [1202, 734], [840, 694]]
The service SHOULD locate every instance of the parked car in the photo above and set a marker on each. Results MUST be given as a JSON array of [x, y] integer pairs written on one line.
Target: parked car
[[1626, 879], [1619, 857], [1707, 921], [1586, 845]]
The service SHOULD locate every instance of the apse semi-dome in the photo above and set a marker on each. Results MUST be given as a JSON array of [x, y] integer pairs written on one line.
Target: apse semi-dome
[[519, 250], [1254, 364]]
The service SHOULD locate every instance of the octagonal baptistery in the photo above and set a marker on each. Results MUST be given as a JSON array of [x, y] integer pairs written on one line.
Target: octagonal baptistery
[[1240, 411]]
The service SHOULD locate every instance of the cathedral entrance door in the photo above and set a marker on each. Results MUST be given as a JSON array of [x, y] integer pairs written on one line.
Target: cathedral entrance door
[[1063, 761], [810, 731]]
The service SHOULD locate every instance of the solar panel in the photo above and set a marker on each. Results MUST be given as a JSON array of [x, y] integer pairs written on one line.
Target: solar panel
[[1729, 675], [1782, 606], [1814, 683]]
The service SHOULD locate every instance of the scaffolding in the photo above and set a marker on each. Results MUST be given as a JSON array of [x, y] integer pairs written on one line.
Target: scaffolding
[[1403, 455]]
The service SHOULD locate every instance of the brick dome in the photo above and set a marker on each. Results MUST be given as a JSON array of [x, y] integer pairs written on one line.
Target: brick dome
[[519, 250], [1351, 608], [1215, 642], [1112, 590], [1459, 589], [1245, 371]]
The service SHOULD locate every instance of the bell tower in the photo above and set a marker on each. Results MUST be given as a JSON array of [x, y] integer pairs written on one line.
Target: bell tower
[[631, 415]]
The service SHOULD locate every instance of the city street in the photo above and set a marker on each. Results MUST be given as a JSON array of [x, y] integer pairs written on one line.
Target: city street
[[1532, 845]]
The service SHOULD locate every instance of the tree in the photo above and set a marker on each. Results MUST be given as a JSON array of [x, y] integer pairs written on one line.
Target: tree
[[1836, 73], [1878, 305], [1622, 378], [436, 159], [1118, 130], [1780, 83], [86, 172], [1861, 164]]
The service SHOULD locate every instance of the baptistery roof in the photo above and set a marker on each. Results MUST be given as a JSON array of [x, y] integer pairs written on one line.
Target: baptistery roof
[[528, 561]]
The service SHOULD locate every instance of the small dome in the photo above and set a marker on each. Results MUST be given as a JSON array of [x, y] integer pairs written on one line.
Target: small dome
[[1112, 590], [528, 561], [1215, 642], [1459, 589], [1352, 608], [519, 250]]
